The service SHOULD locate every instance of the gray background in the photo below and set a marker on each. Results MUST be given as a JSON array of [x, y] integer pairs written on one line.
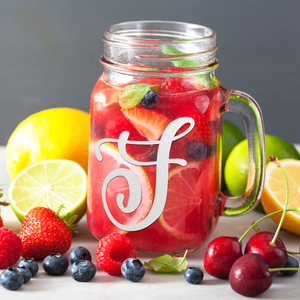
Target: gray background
[[49, 52]]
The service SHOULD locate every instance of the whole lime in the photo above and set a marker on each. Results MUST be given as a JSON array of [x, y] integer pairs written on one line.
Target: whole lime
[[231, 136], [236, 167]]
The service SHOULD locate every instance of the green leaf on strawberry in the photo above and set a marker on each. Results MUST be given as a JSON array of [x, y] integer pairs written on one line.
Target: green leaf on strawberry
[[168, 263], [133, 94]]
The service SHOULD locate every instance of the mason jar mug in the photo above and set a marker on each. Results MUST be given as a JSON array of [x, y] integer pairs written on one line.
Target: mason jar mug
[[155, 139]]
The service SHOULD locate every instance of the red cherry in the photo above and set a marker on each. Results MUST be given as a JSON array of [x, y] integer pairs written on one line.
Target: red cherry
[[275, 256], [220, 255], [249, 275]]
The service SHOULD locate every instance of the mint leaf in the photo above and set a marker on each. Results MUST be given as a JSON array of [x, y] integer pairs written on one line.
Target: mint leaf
[[169, 50], [202, 79], [168, 263], [133, 94]]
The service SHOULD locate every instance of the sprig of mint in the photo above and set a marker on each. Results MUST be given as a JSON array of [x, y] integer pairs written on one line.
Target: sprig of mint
[[202, 79], [168, 263], [133, 94], [169, 50]]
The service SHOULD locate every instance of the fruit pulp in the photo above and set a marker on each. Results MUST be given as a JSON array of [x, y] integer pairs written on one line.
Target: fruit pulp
[[191, 209]]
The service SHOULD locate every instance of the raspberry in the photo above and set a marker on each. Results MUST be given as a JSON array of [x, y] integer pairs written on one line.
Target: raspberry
[[10, 248], [1, 222], [175, 86], [112, 250]]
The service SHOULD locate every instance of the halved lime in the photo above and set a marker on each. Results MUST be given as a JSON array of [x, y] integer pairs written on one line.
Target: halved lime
[[50, 183]]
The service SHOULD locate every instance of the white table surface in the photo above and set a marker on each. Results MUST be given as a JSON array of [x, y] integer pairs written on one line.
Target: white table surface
[[153, 285]]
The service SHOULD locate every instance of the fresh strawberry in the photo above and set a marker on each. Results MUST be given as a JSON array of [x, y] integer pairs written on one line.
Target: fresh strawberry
[[148, 123], [112, 250], [10, 248], [43, 232], [202, 130]]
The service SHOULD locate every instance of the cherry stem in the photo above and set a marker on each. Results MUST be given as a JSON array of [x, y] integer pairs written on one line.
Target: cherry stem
[[291, 252], [283, 269], [266, 216], [274, 159]]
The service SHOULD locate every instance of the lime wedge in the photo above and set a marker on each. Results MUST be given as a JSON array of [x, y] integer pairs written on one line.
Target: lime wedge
[[50, 183]]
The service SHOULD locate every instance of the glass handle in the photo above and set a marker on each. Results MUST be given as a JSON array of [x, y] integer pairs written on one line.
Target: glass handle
[[247, 107]]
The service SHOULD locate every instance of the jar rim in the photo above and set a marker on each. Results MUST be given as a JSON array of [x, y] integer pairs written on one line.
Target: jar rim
[[135, 32], [159, 46]]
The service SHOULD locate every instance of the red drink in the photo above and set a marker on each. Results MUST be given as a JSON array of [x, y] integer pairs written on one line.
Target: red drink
[[189, 215], [155, 146]]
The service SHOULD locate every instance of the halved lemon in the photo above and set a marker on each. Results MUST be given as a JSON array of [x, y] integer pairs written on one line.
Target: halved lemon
[[49, 183], [274, 193]]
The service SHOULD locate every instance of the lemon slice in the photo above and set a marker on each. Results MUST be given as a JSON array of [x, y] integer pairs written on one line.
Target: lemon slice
[[274, 193], [49, 183]]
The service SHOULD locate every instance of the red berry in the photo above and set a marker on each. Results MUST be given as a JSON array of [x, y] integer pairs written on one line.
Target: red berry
[[10, 248], [175, 86], [43, 233], [275, 256], [1, 222], [148, 123], [117, 124], [112, 250], [220, 255], [249, 275]]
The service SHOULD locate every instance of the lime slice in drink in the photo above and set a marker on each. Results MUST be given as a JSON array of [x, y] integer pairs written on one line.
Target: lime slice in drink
[[50, 183]]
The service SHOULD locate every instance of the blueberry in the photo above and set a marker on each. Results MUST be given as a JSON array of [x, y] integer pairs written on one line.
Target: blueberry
[[11, 279], [195, 150], [83, 270], [55, 264], [290, 263], [26, 273], [193, 275], [31, 264], [211, 149], [149, 100], [79, 253], [132, 269]]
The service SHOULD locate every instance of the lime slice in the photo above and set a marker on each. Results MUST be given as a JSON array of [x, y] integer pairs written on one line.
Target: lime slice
[[49, 183]]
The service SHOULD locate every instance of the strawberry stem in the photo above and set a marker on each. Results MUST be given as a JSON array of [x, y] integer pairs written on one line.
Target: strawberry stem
[[275, 160], [68, 219]]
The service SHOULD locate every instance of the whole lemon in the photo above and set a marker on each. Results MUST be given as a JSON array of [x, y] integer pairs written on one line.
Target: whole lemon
[[56, 133], [236, 167]]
